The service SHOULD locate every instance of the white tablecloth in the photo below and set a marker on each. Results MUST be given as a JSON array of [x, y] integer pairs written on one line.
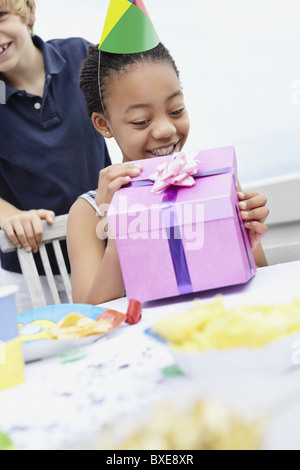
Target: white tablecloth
[[66, 399]]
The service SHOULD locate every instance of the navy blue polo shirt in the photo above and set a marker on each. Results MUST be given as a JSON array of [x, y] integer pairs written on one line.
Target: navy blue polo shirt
[[50, 152]]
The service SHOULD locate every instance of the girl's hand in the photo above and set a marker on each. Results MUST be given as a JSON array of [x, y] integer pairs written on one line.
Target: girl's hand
[[254, 213], [24, 229], [110, 180]]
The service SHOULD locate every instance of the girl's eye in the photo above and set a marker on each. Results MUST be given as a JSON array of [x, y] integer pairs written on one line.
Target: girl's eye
[[178, 111], [2, 14], [140, 123]]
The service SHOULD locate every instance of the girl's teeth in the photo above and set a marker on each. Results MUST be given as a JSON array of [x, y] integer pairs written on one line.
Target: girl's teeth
[[161, 152]]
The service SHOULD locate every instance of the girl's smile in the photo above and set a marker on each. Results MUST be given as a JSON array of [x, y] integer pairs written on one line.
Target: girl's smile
[[165, 150], [146, 111]]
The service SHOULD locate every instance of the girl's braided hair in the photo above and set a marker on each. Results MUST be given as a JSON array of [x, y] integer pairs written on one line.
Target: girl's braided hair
[[111, 64]]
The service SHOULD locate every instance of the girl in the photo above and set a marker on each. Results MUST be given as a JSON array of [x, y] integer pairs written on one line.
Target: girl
[[143, 108]]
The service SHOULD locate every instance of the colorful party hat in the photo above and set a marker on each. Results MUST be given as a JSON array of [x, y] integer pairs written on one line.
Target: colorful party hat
[[128, 28]]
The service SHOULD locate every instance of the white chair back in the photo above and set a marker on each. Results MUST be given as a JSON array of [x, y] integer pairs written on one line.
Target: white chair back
[[51, 234]]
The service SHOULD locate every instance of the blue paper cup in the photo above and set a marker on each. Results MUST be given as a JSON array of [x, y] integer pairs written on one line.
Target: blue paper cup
[[11, 357]]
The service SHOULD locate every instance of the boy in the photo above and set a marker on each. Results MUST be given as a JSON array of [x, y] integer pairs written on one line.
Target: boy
[[50, 153]]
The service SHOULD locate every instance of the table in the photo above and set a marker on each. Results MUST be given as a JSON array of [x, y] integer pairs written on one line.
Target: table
[[65, 400]]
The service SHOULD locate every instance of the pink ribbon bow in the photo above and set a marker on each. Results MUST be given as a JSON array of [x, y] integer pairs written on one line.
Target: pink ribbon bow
[[177, 171]]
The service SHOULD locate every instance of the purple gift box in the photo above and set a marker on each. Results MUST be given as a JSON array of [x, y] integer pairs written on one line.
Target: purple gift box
[[186, 239]]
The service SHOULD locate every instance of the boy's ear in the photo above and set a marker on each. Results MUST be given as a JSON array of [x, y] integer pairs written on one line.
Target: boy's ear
[[31, 21], [101, 125], [31, 18]]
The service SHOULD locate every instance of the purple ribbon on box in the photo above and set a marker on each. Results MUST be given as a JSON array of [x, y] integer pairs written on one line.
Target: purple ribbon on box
[[170, 221], [175, 242]]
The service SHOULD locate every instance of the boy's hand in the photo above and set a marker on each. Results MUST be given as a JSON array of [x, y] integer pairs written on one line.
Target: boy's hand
[[24, 229], [254, 213]]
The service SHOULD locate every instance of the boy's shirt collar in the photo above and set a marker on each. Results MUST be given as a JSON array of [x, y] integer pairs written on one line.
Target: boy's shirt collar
[[53, 62]]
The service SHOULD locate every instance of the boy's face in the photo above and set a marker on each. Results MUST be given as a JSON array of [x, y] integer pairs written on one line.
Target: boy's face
[[14, 39], [146, 111]]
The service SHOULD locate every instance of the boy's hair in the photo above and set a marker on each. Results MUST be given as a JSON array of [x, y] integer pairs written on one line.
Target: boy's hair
[[23, 8], [111, 64]]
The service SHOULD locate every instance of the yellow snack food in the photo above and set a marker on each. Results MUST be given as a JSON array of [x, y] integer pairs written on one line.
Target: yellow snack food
[[204, 425], [213, 326], [76, 325]]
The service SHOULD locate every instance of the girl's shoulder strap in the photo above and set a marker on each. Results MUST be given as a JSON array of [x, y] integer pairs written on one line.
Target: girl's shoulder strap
[[90, 198]]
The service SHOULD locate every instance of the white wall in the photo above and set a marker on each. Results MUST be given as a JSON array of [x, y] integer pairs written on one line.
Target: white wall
[[240, 68]]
